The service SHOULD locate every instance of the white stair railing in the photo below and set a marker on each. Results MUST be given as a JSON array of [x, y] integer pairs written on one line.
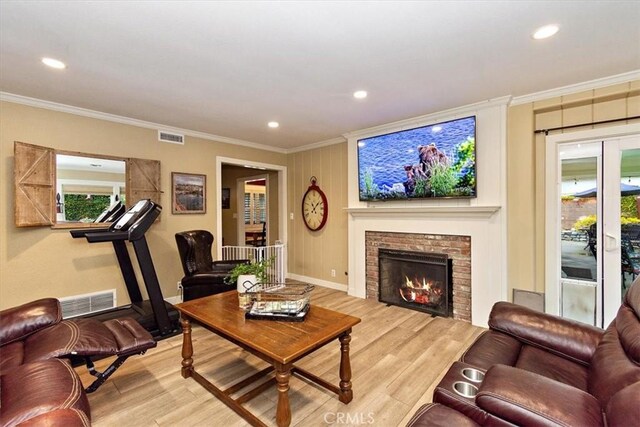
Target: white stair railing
[[275, 273]]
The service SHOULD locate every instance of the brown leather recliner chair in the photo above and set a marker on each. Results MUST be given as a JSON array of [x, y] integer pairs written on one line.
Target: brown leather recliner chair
[[545, 370], [203, 276], [38, 386]]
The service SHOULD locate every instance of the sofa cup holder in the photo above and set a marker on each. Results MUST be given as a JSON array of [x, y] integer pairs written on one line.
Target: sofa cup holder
[[465, 389], [473, 375]]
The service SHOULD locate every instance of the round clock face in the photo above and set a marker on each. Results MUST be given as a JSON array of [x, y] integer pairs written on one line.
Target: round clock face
[[314, 208]]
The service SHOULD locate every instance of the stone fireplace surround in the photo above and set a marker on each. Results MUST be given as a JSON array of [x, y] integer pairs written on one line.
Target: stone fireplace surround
[[457, 248]]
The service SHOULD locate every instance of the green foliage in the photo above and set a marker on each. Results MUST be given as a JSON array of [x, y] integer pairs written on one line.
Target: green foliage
[[370, 188], [584, 222], [567, 197], [465, 160], [443, 180], [628, 206], [628, 220], [77, 207], [462, 191], [258, 269], [422, 188]]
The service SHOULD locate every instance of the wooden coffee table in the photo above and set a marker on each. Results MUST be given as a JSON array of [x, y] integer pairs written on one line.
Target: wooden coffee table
[[276, 342]]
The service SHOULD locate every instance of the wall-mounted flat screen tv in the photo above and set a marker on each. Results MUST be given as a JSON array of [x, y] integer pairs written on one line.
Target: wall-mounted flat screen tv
[[432, 161]]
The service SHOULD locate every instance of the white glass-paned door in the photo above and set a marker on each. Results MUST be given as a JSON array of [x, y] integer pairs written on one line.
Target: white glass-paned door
[[621, 221], [580, 197], [597, 228]]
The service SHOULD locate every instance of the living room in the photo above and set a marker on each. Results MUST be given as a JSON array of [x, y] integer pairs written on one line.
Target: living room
[[506, 222]]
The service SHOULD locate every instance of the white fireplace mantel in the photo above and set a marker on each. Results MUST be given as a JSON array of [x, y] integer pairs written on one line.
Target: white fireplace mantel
[[483, 218], [480, 212]]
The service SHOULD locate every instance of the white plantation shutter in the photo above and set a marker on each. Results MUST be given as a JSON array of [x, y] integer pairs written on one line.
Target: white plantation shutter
[[247, 208], [260, 209]]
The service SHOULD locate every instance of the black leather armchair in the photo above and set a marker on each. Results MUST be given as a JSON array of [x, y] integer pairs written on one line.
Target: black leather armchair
[[203, 275]]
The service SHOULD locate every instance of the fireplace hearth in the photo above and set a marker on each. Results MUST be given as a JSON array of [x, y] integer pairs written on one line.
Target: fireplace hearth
[[416, 280]]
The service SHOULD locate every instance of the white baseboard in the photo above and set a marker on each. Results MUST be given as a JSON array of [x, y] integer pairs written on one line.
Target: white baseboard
[[319, 282], [174, 300]]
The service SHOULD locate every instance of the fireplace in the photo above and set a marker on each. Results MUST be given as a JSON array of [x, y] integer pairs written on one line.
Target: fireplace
[[416, 280]]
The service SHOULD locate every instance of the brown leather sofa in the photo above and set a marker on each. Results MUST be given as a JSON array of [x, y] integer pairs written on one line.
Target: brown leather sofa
[[544, 370], [38, 386]]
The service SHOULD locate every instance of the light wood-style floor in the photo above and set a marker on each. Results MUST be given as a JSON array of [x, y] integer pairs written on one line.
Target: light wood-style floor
[[397, 358]]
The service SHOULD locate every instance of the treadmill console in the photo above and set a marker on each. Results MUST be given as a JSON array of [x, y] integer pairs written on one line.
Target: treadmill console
[[132, 215], [111, 213]]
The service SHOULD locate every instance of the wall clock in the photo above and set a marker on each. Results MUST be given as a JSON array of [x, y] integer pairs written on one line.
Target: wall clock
[[314, 207]]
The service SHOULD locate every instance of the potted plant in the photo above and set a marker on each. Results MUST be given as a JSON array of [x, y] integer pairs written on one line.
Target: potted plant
[[247, 275]]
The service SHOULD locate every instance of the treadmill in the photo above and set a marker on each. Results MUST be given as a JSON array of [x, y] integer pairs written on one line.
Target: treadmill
[[156, 315], [111, 213]]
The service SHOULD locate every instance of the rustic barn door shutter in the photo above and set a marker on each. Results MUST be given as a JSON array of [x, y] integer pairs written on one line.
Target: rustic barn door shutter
[[34, 177], [143, 180]]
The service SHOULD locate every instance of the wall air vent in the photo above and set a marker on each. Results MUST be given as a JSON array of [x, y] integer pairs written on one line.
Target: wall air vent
[[173, 138], [79, 305]]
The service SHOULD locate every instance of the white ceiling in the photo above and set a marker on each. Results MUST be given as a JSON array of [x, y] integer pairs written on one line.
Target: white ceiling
[[227, 68], [65, 162]]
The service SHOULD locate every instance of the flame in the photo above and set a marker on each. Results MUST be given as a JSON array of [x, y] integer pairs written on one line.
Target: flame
[[420, 290], [409, 282], [412, 296]]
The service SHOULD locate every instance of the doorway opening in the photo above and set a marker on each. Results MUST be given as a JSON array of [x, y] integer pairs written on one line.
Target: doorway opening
[[252, 209]]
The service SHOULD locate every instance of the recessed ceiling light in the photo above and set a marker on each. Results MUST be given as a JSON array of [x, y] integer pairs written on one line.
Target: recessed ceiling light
[[545, 32], [273, 125], [54, 63], [360, 94]]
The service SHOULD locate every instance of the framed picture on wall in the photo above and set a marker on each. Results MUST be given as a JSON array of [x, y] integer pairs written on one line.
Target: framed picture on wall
[[226, 198], [188, 193]]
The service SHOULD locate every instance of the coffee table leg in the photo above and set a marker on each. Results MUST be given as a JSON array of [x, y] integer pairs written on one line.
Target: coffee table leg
[[283, 412], [187, 348], [346, 394]]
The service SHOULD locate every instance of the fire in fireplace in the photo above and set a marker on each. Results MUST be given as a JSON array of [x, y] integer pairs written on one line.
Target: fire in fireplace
[[416, 280]]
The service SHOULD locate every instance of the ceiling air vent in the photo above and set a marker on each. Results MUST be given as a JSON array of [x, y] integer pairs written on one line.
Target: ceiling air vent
[[173, 138]]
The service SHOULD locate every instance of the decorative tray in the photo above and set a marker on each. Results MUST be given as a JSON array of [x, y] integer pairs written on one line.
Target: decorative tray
[[279, 301], [285, 317]]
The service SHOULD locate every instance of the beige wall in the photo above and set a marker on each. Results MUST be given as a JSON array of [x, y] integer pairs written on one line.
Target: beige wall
[[526, 167], [316, 253], [39, 262]]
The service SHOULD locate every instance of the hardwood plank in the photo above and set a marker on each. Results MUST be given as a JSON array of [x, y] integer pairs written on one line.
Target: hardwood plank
[[397, 358]]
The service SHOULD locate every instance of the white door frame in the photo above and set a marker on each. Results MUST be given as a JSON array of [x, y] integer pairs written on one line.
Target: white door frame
[[282, 198], [553, 144]]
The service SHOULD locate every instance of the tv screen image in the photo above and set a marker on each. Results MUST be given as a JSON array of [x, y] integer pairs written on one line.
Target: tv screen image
[[437, 160]]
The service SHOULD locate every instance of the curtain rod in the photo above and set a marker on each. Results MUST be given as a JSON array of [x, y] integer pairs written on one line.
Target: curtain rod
[[602, 122]]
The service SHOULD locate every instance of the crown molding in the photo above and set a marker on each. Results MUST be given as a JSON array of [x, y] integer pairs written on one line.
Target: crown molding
[[577, 87], [427, 119], [84, 112], [313, 146]]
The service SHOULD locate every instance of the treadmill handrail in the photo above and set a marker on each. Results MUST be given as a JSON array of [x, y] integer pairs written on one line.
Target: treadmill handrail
[[82, 232], [107, 236]]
